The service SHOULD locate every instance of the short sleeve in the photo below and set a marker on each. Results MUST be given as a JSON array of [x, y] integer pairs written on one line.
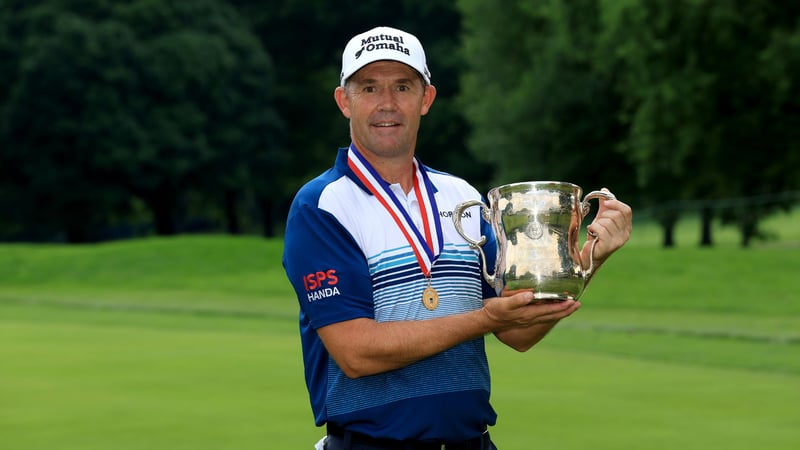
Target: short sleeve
[[326, 267]]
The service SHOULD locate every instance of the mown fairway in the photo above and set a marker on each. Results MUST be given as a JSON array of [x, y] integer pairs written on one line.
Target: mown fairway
[[191, 343]]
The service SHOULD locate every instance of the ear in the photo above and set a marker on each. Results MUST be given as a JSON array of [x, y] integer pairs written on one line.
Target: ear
[[342, 101], [427, 99]]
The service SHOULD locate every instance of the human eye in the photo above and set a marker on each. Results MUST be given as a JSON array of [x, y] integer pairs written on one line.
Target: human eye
[[405, 85]]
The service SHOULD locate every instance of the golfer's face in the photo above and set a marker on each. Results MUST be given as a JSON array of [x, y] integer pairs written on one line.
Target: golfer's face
[[385, 101]]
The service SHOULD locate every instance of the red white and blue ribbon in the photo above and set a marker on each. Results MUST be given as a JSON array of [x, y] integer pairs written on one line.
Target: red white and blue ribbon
[[426, 244]]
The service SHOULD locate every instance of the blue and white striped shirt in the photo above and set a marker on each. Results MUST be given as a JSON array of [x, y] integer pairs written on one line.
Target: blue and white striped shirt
[[347, 259]]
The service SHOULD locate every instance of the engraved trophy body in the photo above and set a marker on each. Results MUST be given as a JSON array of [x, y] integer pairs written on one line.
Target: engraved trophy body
[[537, 225]]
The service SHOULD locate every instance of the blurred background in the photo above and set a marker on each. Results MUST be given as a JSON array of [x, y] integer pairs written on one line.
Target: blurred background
[[133, 118]]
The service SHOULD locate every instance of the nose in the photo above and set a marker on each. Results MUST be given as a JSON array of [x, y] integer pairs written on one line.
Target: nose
[[388, 100]]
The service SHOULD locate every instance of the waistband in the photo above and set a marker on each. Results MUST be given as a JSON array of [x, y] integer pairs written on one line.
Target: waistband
[[358, 441]]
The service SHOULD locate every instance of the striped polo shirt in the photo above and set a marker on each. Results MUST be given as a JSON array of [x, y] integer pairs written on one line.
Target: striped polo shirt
[[346, 258]]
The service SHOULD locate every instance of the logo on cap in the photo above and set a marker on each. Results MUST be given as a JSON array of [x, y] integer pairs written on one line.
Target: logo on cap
[[379, 42]]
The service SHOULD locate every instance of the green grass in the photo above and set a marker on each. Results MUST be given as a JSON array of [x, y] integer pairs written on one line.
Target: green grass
[[191, 343], [575, 400], [198, 273], [84, 379]]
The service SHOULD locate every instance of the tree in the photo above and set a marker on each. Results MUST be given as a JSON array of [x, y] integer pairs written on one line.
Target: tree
[[115, 100], [672, 100], [209, 88], [60, 120], [538, 107], [201, 122], [698, 80]]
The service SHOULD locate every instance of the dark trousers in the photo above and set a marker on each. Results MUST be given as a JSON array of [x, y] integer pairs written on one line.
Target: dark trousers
[[346, 440]]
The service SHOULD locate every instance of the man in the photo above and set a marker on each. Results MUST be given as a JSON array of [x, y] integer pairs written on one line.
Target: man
[[393, 307]]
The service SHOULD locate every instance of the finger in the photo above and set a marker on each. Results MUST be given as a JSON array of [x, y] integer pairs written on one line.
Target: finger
[[523, 298], [510, 302], [555, 311], [605, 203], [549, 308], [614, 217]]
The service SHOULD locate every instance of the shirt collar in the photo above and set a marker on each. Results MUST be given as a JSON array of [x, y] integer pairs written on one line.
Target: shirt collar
[[341, 165]]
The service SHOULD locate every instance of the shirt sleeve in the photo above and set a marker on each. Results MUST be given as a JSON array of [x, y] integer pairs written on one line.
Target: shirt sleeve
[[326, 267]]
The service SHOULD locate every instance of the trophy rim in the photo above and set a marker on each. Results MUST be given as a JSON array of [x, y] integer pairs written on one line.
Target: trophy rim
[[536, 185]]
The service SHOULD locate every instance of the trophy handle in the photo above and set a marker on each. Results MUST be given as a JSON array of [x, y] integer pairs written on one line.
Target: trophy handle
[[476, 244], [585, 208]]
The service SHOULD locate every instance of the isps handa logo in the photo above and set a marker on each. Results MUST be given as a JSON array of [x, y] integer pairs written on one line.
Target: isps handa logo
[[321, 284]]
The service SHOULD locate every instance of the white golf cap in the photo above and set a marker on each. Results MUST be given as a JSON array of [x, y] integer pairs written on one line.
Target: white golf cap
[[382, 44]]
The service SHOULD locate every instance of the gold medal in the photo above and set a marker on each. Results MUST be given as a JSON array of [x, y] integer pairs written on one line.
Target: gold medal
[[430, 298]]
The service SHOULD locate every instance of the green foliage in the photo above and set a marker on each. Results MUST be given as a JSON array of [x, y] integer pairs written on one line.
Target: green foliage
[[698, 96], [209, 114], [209, 125], [665, 99], [136, 99], [538, 108]]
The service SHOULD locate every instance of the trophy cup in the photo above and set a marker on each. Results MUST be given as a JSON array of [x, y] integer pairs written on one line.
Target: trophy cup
[[536, 224]]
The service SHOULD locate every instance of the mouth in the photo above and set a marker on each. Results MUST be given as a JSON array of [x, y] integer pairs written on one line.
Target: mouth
[[386, 124]]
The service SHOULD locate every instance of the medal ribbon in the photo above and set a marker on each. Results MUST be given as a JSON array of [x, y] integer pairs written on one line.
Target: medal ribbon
[[426, 248]]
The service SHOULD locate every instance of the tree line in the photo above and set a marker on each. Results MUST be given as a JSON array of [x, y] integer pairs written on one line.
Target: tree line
[[136, 117]]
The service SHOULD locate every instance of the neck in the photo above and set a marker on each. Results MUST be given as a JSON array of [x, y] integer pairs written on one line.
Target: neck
[[396, 172], [399, 169]]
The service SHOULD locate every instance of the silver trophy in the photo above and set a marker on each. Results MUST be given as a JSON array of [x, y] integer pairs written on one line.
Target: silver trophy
[[537, 225]]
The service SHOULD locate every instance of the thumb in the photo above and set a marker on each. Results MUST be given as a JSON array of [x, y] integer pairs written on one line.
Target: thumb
[[523, 298], [602, 200]]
